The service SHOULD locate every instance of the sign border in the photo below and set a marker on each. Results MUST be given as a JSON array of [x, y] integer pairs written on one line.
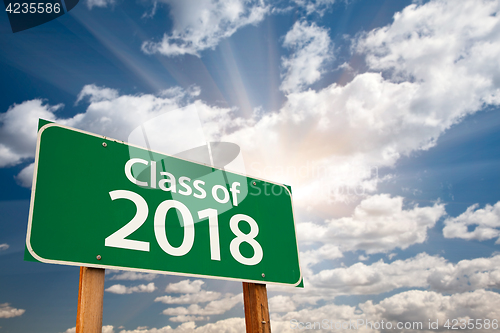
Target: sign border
[[71, 263]]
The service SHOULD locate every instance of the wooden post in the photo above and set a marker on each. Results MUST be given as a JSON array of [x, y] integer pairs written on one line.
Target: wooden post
[[256, 309], [90, 297]]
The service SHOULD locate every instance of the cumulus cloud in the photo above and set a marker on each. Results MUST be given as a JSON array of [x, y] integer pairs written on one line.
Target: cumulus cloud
[[230, 325], [486, 222], [315, 6], [4, 246], [193, 294], [6, 311], [96, 94], [311, 50], [421, 271], [132, 276], [378, 277], [99, 3], [466, 275], [183, 319], [121, 289], [310, 258], [25, 177], [216, 307], [117, 116], [198, 297], [200, 25], [337, 313], [112, 115], [435, 64], [420, 306], [18, 130], [186, 327], [378, 224], [281, 303], [185, 287], [414, 307]]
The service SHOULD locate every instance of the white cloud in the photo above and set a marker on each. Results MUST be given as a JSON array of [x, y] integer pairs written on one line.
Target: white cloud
[[119, 117], [25, 177], [435, 64], [198, 297], [410, 307], [108, 114], [337, 313], [96, 94], [310, 258], [378, 277], [116, 116], [466, 275], [186, 327], [420, 306], [18, 130], [192, 295], [213, 308], [378, 224], [121, 289], [132, 276], [6, 311], [315, 6], [311, 47], [183, 319], [422, 271], [185, 287], [281, 303], [437, 43], [200, 25], [230, 325], [4, 246], [486, 221], [99, 3]]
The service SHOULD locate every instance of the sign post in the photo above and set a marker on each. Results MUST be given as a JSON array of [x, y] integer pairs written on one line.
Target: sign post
[[101, 203], [256, 308], [90, 300]]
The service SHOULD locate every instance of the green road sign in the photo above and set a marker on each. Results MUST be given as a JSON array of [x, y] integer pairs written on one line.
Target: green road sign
[[100, 202]]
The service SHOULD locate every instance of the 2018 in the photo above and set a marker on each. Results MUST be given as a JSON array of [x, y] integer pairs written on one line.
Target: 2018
[[118, 238]]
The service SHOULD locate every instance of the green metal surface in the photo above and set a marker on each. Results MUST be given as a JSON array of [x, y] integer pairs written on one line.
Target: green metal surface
[[72, 212]]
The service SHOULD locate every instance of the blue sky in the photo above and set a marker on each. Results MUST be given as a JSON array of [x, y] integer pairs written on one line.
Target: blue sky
[[381, 115]]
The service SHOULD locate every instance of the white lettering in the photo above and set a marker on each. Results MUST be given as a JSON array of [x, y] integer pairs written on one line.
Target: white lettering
[[128, 170], [202, 194], [170, 180], [224, 190], [187, 190], [234, 192]]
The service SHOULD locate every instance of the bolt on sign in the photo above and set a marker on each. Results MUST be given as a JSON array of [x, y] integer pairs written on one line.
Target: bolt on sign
[[103, 203]]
